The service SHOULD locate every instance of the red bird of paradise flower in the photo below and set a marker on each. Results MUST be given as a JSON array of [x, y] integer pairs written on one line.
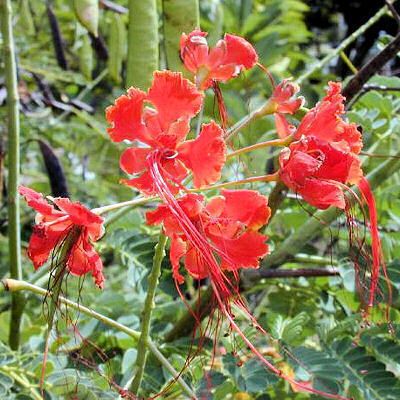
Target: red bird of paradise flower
[[230, 228], [324, 160], [162, 130], [226, 60], [212, 239], [54, 225]]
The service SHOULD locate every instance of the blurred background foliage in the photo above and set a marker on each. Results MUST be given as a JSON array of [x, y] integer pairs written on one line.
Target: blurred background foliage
[[69, 70]]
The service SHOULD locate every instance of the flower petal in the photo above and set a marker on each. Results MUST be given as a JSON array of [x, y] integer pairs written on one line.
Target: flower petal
[[324, 121], [42, 243], [125, 116], [195, 264], [79, 214], [194, 50], [239, 52], [174, 97], [244, 251], [205, 155], [39, 203], [176, 252], [133, 160], [246, 206]]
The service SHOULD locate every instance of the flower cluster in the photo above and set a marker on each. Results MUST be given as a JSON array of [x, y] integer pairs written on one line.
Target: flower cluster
[[54, 224], [213, 238]]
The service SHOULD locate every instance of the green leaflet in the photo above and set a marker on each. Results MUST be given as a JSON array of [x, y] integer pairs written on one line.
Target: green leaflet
[[87, 12], [178, 16], [142, 43]]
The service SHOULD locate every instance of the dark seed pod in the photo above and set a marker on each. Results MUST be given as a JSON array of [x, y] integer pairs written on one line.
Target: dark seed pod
[[54, 170]]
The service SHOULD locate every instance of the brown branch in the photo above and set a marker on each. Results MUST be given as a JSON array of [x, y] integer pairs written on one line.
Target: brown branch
[[373, 66], [186, 324]]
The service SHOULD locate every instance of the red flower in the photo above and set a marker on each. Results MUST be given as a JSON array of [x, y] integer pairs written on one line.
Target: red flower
[[54, 225], [285, 101], [324, 121], [229, 227], [163, 129], [319, 171], [226, 60]]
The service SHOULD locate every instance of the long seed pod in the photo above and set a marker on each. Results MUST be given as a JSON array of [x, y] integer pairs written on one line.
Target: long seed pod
[[142, 43], [86, 58], [117, 47], [87, 12], [178, 16], [58, 41], [54, 170]]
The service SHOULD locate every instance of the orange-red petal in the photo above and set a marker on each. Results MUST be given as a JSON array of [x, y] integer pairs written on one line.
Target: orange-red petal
[[205, 155], [133, 160], [125, 116], [174, 97]]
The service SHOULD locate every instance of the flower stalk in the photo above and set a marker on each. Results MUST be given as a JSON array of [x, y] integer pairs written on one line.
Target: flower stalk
[[14, 236], [148, 308], [270, 143]]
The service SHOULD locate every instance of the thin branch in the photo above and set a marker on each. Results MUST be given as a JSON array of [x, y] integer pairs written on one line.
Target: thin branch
[[148, 308], [394, 12], [371, 68], [14, 235], [297, 273], [14, 285]]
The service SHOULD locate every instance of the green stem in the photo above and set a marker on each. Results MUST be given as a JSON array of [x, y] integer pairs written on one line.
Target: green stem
[[130, 203], [142, 43], [335, 52], [270, 143], [263, 178], [14, 238], [14, 286], [148, 308]]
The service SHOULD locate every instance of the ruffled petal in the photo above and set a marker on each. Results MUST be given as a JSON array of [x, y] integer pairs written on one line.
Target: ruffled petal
[[205, 155], [84, 259], [78, 213], [239, 52], [144, 183], [323, 194], [133, 160], [324, 121], [125, 116], [174, 97], [195, 264], [42, 243], [247, 206], [176, 252], [244, 251], [283, 128], [39, 203]]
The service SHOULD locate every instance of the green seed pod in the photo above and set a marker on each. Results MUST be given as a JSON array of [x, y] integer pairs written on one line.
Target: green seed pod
[[116, 47], [86, 58], [179, 16], [142, 43], [26, 18], [87, 12]]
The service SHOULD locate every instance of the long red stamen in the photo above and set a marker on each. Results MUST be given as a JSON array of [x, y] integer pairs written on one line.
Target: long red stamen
[[223, 288], [377, 256]]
